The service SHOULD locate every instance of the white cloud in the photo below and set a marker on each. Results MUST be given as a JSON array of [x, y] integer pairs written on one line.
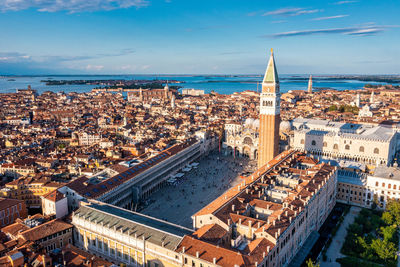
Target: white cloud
[[13, 57], [291, 12], [344, 2], [94, 67], [360, 31], [330, 17], [72, 6]]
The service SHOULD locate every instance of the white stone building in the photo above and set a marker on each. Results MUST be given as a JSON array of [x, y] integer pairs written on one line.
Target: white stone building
[[242, 139], [384, 184], [373, 145], [55, 203]]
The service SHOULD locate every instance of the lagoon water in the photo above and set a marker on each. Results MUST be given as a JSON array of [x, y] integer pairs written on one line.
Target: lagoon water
[[218, 83]]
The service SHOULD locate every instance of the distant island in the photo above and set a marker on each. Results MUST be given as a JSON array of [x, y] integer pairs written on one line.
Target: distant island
[[111, 83]]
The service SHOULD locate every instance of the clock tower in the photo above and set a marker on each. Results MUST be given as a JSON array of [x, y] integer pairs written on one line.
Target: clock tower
[[269, 115]]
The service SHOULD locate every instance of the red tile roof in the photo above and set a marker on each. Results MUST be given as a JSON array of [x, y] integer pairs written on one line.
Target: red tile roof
[[54, 196], [95, 190]]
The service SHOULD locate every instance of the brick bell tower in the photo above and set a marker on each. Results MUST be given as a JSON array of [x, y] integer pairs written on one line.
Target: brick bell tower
[[269, 115]]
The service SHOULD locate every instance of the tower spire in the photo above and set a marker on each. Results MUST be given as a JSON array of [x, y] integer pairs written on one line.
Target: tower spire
[[271, 75]]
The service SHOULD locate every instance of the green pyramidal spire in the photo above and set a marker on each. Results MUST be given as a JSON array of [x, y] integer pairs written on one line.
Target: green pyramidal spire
[[271, 75]]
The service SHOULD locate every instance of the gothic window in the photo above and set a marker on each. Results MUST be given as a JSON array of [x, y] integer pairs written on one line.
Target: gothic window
[[361, 149], [335, 146], [302, 141], [325, 144], [313, 142], [347, 147], [376, 150]]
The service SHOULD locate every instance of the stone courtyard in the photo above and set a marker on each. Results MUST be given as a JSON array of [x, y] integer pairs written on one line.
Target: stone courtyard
[[213, 176]]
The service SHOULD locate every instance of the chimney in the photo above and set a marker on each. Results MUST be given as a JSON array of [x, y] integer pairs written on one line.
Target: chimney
[[183, 249], [197, 254], [258, 225], [240, 220], [279, 217], [233, 207], [263, 254], [276, 235], [273, 222], [214, 260], [286, 213], [279, 231], [268, 248], [229, 222], [256, 264]]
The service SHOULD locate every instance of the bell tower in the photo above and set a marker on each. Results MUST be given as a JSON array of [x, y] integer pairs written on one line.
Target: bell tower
[[269, 115]]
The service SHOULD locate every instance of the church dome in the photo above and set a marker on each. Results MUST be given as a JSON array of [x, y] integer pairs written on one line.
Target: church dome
[[248, 122], [285, 126], [256, 124]]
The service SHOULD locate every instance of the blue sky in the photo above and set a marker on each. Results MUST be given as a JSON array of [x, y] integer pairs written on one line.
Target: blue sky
[[198, 37]]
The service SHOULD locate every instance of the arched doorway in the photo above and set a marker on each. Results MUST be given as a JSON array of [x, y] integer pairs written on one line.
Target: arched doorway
[[246, 151]]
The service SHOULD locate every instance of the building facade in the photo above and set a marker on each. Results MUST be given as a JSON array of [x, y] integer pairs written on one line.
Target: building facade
[[128, 188], [242, 139], [150, 95], [372, 145], [55, 203], [29, 190], [122, 236], [10, 210]]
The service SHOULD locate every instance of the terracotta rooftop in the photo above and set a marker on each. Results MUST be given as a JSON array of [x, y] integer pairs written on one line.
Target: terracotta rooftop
[[211, 233], [54, 196], [45, 230], [207, 251]]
